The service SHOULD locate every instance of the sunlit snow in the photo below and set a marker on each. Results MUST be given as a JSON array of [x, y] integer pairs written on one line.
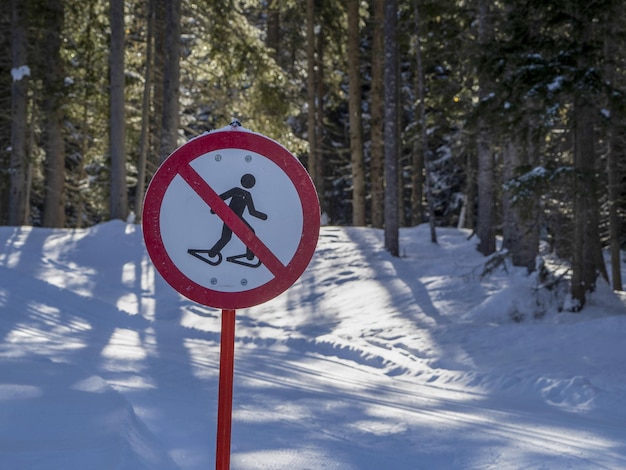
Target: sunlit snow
[[368, 362]]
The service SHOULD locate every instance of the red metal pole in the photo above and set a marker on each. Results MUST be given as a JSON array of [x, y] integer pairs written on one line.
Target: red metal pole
[[225, 397]]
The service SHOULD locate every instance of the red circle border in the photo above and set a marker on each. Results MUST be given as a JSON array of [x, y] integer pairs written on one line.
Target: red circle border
[[217, 140]]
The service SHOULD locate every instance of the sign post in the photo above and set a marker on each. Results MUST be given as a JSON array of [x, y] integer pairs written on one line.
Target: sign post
[[231, 220], [225, 394]]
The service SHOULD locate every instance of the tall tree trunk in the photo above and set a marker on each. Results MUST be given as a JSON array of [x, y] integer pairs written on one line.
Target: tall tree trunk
[[520, 227], [613, 167], [156, 118], [467, 218], [320, 90], [486, 185], [423, 162], [312, 126], [391, 130], [119, 198], [171, 79], [144, 142], [19, 120], [420, 144], [272, 38], [486, 211], [582, 264], [90, 54], [615, 178], [377, 168], [587, 259], [53, 83], [354, 103], [30, 145]]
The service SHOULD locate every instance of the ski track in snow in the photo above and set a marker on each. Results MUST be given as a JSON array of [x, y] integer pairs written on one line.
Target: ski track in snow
[[365, 363]]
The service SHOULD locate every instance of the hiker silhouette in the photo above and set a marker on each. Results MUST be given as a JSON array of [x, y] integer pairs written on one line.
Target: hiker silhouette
[[240, 200]]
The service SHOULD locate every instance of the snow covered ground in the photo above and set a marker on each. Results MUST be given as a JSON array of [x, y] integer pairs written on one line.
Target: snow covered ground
[[367, 362]]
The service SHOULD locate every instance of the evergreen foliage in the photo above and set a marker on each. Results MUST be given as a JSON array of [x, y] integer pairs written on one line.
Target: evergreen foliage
[[521, 79]]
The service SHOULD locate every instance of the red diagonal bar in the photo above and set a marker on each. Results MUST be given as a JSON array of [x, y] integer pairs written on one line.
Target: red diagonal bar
[[232, 220]]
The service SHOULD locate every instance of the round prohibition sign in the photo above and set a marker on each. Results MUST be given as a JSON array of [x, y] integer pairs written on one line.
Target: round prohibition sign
[[195, 239]]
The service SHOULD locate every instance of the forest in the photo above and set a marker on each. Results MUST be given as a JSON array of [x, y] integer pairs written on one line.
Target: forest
[[506, 118]]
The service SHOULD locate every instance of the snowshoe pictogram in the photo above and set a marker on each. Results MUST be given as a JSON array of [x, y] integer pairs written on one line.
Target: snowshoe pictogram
[[205, 256], [239, 259]]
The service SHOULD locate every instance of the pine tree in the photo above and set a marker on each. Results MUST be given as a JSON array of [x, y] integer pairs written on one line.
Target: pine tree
[[18, 201], [119, 204], [391, 135], [356, 128], [485, 227], [377, 114], [52, 109], [171, 78]]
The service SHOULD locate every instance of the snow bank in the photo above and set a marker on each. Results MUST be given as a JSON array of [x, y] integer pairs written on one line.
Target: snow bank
[[53, 415]]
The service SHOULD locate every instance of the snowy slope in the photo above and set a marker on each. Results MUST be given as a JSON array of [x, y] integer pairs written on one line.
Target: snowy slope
[[367, 362]]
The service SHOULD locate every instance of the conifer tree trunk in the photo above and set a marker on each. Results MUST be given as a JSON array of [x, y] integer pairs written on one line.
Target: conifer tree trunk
[[587, 259], [156, 118], [119, 198], [377, 169], [520, 224], [87, 112], [354, 104], [583, 274], [53, 94], [423, 162], [312, 101], [613, 167], [419, 144], [272, 38], [467, 218], [485, 227], [320, 90], [144, 142], [18, 208], [171, 79], [486, 212], [391, 130]]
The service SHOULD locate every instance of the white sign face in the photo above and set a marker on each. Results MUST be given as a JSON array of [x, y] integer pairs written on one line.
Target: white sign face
[[218, 259], [231, 219]]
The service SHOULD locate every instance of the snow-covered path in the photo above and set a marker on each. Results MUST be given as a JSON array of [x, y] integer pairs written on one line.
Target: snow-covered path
[[367, 362]]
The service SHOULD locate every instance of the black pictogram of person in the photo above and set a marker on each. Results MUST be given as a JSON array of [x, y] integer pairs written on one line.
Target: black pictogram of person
[[240, 200]]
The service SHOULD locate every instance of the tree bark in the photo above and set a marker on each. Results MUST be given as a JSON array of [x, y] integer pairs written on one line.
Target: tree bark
[[520, 227], [587, 259], [156, 118], [467, 218], [422, 163], [314, 162], [272, 38], [614, 175], [377, 169], [53, 94], [613, 167], [171, 79], [582, 263], [320, 90], [18, 208], [391, 130], [118, 197], [486, 211], [485, 228], [144, 141], [354, 104]]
